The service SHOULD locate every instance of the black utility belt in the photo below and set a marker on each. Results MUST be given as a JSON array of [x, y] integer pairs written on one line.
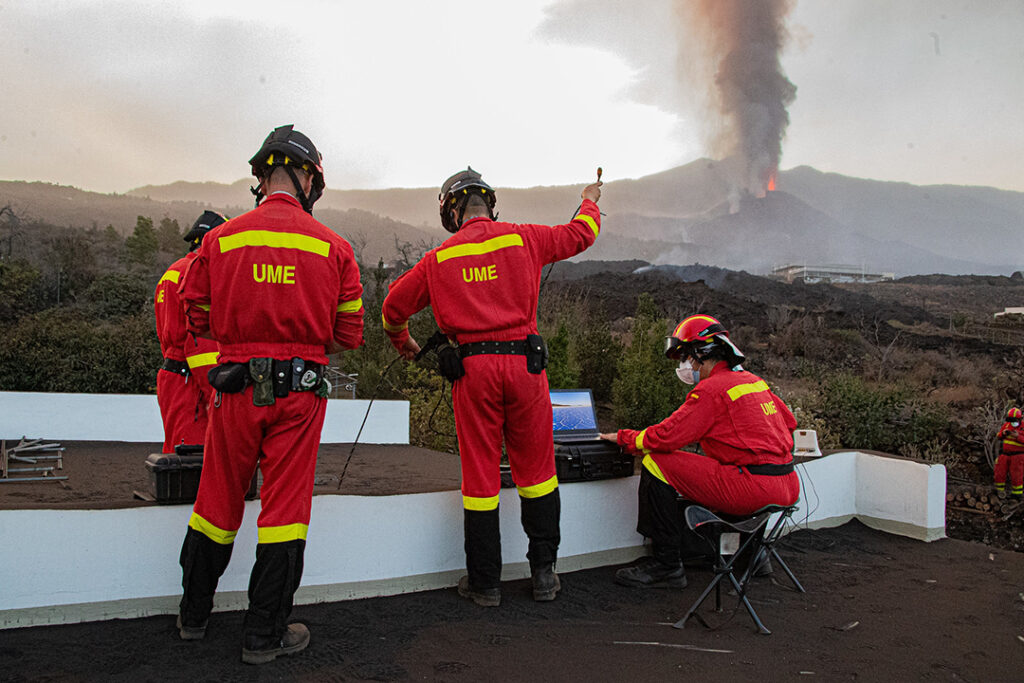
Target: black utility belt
[[271, 379], [769, 470], [178, 367], [533, 347]]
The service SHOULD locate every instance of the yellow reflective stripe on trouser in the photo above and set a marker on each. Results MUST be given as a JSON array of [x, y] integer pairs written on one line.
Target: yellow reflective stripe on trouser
[[639, 443], [477, 248], [1001, 487], [538, 490], [201, 359], [589, 221], [215, 534], [480, 504], [393, 328], [350, 306], [744, 389], [282, 534], [276, 240], [203, 307], [652, 467], [171, 275]]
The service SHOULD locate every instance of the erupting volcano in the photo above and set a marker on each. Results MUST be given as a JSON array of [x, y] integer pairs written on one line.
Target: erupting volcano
[[739, 42]]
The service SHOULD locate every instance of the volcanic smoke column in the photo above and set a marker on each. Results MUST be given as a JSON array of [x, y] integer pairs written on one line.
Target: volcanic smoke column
[[744, 81]]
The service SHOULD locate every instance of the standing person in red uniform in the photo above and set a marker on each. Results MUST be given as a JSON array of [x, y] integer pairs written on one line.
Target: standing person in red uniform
[[744, 430], [482, 284], [278, 291], [182, 389], [1011, 454]]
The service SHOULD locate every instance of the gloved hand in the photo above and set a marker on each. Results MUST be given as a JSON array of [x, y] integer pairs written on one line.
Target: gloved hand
[[449, 363]]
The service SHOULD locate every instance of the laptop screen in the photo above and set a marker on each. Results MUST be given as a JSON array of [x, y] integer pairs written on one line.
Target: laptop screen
[[573, 413]]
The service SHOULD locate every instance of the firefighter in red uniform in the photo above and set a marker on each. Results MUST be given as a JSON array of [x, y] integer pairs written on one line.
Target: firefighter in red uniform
[[482, 284], [278, 291], [182, 389], [1011, 454], [744, 430]]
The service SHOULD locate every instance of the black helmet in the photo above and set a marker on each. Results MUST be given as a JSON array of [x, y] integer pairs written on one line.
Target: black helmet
[[289, 148], [204, 224], [454, 193]]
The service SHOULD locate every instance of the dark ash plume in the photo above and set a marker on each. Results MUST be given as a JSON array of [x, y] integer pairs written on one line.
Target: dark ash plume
[[745, 82]]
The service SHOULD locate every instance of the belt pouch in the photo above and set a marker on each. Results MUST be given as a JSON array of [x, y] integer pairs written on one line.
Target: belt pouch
[[261, 372], [282, 378], [230, 378], [536, 354]]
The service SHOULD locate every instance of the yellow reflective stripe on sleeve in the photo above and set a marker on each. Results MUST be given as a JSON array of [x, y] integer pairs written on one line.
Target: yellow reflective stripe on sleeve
[[171, 275], [1011, 442], [277, 240], [538, 490], [282, 534], [350, 306], [589, 221], [477, 248], [203, 307], [639, 443], [652, 467], [215, 534], [201, 359], [743, 389], [480, 504], [393, 328]]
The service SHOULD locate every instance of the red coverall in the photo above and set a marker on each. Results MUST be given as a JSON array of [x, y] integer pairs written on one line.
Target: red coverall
[[738, 421], [271, 283], [1011, 457], [482, 284], [182, 398]]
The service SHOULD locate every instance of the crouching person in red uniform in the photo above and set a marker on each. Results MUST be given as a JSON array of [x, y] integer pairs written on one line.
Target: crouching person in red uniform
[[744, 430], [1011, 454], [182, 390], [278, 291], [482, 284]]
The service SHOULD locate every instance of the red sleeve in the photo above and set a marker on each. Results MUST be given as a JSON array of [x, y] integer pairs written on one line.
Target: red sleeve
[[406, 295], [685, 426], [170, 323], [348, 323], [194, 292], [562, 241]]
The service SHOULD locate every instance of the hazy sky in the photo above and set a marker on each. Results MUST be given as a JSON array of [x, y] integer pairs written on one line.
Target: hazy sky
[[109, 95]]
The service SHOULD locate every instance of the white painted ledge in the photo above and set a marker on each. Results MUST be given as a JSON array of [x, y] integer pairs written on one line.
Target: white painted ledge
[[136, 418], [67, 566]]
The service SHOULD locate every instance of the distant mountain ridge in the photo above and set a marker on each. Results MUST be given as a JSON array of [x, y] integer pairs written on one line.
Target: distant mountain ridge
[[683, 215]]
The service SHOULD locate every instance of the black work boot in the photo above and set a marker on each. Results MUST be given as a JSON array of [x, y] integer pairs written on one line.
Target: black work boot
[[546, 583], [256, 650], [191, 632], [485, 597], [650, 572]]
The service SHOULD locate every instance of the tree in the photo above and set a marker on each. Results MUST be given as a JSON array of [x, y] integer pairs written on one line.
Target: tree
[[20, 290], [168, 235], [142, 244], [12, 222], [646, 391]]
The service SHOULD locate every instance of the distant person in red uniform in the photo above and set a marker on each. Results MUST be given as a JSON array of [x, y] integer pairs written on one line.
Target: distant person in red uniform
[[1011, 454], [278, 291], [482, 284], [744, 430], [182, 390]]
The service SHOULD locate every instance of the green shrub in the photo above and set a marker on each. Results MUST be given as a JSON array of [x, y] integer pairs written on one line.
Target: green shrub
[[646, 389]]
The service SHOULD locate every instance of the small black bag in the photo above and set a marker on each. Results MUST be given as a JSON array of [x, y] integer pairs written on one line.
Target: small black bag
[[230, 378], [449, 363], [536, 354]]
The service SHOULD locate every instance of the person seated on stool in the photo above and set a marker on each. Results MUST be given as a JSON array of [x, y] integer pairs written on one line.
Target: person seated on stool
[[744, 430]]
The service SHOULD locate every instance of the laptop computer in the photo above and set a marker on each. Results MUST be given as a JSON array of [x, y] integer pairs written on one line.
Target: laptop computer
[[573, 417]]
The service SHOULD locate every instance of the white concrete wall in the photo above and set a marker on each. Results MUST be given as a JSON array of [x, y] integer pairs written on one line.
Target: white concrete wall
[[136, 418], [64, 566], [357, 546]]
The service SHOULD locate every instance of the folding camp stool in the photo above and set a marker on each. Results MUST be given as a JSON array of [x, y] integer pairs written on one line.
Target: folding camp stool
[[758, 544]]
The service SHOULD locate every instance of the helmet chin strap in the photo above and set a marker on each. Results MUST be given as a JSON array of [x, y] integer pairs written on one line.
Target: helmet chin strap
[[300, 195]]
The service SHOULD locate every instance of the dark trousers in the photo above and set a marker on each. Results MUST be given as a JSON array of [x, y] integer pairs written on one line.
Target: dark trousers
[[540, 520]]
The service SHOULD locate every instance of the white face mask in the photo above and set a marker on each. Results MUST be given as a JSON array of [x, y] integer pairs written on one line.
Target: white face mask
[[1015, 423], [686, 373]]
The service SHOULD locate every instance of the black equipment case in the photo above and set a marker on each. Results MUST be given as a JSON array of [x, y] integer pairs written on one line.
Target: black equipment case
[[175, 476], [584, 461]]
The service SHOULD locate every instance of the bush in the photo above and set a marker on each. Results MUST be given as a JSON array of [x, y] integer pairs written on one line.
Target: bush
[[646, 390]]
